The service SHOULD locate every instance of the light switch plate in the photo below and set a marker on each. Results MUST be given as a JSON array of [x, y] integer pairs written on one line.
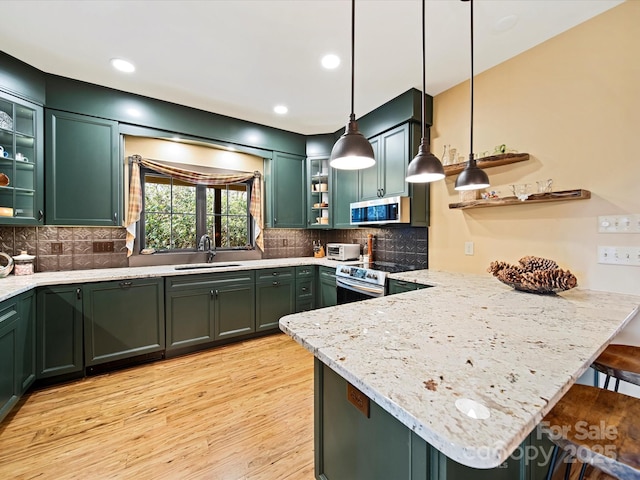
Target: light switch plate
[[468, 248], [626, 223], [619, 255]]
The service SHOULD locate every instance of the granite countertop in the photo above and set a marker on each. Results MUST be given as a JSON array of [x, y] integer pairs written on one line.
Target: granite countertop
[[470, 337], [14, 285]]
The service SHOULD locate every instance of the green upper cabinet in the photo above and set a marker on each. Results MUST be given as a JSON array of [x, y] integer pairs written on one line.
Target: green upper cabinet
[[345, 191], [387, 177], [83, 180], [21, 159], [285, 191], [319, 198]]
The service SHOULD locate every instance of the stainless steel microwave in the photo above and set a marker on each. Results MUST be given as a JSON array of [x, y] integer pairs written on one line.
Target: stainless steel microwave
[[381, 211]]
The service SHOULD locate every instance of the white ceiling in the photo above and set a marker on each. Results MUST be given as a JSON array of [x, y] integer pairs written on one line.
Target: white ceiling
[[242, 57]]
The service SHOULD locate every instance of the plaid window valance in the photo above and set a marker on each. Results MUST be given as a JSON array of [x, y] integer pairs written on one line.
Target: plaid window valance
[[193, 175]]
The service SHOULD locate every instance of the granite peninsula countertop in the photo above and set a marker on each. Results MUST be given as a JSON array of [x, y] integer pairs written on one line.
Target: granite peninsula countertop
[[14, 285], [469, 337]]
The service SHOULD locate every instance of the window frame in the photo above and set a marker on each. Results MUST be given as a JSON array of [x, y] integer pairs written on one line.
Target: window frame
[[201, 215]]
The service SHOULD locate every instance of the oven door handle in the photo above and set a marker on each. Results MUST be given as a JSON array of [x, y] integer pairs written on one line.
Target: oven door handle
[[359, 287]]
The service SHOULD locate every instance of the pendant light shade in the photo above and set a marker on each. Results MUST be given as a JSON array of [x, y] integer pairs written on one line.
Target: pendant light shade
[[352, 151], [425, 166], [472, 177]]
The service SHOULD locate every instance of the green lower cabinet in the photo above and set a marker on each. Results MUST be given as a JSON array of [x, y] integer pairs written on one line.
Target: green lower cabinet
[[9, 353], [305, 288], [59, 331], [27, 341], [204, 308], [123, 319], [275, 296], [399, 286], [327, 285], [348, 444]]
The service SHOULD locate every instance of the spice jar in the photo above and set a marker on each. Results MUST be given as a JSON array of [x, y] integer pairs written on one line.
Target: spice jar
[[23, 263]]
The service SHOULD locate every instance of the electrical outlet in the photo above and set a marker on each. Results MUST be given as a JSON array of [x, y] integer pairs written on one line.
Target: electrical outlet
[[619, 255], [468, 248], [285, 242], [103, 247], [56, 248], [626, 223]]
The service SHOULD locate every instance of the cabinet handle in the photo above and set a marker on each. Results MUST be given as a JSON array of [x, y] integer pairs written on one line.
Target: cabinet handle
[[275, 284], [382, 192], [40, 214], [79, 293], [214, 293], [275, 274], [125, 284], [115, 218], [304, 289], [275, 220]]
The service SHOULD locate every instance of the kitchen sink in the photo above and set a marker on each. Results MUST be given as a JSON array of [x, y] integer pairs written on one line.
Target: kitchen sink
[[194, 266]]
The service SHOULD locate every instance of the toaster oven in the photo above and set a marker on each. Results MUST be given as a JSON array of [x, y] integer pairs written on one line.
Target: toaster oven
[[343, 251]]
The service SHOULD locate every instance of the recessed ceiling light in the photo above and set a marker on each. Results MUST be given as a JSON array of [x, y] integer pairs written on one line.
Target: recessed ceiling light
[[330, 61], [122, 65], [280, 109]]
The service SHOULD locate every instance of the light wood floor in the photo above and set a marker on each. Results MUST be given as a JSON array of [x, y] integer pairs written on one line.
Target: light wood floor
[[243, 411]]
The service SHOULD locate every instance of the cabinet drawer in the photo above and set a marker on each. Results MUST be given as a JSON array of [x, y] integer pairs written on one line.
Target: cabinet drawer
[[304, 288], [208, 281], [269, 274], [8, 310], [306, 271]]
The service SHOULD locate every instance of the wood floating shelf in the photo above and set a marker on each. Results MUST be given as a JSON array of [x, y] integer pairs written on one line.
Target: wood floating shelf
[[487, 162], [562, 196]]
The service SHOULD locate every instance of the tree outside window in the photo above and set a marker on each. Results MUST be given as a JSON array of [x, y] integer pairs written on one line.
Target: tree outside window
[[177, 213]]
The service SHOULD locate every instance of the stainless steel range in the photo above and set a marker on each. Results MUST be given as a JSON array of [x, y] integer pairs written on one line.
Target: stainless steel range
[[359, 282]]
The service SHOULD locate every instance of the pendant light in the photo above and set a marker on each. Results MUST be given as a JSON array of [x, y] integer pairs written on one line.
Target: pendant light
[[471, 178], [425, 166], [352, 151]]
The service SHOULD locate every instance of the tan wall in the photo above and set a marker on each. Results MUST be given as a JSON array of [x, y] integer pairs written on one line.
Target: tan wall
[[178, 152], [573, 104]]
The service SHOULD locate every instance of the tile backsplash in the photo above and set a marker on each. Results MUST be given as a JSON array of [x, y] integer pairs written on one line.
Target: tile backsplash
[[403, 245], [72, 248], [66, 248]]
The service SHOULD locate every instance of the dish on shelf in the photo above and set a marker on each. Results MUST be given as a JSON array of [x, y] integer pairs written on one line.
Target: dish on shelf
[[6, 121], [6, 212], [4, 180], [571, 193]]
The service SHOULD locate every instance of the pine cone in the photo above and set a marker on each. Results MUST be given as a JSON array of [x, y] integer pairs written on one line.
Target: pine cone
[[531, 263], [510, 276], [495, 267], [541, 281]]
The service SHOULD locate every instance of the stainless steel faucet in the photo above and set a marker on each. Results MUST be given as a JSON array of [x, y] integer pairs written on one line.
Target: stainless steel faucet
[[205, 246]]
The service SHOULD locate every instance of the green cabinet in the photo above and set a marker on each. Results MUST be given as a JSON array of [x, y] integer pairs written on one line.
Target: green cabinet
[[26, 341], [59, 331], [327, 284], [285, 190], [123, 319], [9, 356], [400, 286], [345, 190], [319, 193], [305, 288], [350, 444], [275, 296], [21, 160], [201, 309], [387, 177], [82, 162]]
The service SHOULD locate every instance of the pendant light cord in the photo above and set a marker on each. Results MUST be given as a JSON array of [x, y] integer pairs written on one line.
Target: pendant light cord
[[353, 56], [471, 157], [424, 68]]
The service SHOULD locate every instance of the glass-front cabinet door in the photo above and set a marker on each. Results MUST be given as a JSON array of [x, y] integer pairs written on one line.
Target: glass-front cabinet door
[[319, 196], [21, 176]]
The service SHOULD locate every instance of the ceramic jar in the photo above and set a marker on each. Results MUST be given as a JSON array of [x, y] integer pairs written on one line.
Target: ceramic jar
[[23, 263]]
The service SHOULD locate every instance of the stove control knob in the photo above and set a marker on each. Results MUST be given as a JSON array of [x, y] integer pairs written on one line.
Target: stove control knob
[[372, 275]]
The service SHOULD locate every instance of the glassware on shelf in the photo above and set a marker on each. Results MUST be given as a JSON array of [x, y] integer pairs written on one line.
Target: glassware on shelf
[[521, 191], [445, 155], [545, 186]]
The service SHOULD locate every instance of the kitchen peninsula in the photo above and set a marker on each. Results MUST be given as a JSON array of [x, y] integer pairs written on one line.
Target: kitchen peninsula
[[468, 367]]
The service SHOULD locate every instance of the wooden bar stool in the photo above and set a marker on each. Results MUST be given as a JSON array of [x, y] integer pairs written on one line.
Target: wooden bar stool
[[621, 362], [598, 427]]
